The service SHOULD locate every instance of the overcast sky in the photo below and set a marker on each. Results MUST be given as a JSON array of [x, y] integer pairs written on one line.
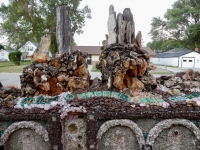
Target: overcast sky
[[143, 12]]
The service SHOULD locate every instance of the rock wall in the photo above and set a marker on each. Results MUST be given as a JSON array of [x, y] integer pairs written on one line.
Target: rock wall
[[67, 72], [99, 128]]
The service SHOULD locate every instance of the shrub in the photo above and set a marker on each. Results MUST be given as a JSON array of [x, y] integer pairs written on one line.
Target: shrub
[[15, 57]]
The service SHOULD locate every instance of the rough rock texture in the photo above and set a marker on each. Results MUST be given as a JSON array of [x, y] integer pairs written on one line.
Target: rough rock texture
[[123, 134], [112, 24], [41, 54], [8, 96], [127, 109], [67, 72], [74, 137], [122, 63], [63, 29], [121, 29]]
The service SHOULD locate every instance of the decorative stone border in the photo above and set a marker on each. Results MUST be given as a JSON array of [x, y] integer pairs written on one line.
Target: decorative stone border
[[122, 122], [154, 132], [39, 129]]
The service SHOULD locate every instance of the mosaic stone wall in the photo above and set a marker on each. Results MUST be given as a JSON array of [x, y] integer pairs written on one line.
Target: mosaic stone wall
[[74, 134], [26, 139], [112, 134], [175, 138], [119, 138]]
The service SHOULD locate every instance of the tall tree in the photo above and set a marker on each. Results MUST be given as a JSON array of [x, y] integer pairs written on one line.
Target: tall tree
[[25, 20], [180, 24], [1, 47], [164, 45]]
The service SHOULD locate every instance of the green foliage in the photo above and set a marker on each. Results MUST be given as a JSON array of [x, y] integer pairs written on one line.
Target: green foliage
[[15, 57], [164, 45], [29, 20], [1, 47], [94, 69], [180, 25]]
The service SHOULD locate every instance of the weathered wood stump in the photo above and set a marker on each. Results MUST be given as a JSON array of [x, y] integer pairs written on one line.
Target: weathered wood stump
[[63, 29]]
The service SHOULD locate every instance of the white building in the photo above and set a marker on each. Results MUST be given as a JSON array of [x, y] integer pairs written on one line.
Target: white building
[[178, 57], [4, 54], [28, 49]]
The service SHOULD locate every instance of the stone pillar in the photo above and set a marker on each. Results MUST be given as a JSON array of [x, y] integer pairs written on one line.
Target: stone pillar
[[63, 29], [112, 24]]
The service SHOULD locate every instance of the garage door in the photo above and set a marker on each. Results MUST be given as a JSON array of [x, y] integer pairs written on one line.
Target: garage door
[[188, 62]]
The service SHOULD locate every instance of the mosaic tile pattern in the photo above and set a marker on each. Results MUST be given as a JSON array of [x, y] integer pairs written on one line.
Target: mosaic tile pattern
[[184, 97]]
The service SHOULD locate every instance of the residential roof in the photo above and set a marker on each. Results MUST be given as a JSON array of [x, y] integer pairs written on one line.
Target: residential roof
[[89, 49], [97, 49], [177, 52], [148, 50], [9, 51], [36, 44]]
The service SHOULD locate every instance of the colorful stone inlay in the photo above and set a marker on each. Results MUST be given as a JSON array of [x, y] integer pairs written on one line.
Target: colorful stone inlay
[[39, 100], [71, 97], [118, 95], [183, 97]]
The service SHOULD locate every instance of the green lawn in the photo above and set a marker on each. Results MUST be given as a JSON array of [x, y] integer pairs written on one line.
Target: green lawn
[[10, 67], [94, 69], [161, 72]]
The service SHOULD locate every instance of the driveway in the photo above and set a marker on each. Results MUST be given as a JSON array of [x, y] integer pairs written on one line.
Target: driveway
[[176, 69]]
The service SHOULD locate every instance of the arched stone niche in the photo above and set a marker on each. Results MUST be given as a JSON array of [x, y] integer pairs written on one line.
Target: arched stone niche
[[25, 135], [122, 133], [174, 134]]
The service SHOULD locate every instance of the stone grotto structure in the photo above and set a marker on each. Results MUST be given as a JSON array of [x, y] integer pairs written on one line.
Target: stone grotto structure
[[59, 107]]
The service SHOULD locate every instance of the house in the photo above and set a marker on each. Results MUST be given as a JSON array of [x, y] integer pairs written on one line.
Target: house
[[179, 57], [27, 49], [95, 51], [4, 54], [151, 52]]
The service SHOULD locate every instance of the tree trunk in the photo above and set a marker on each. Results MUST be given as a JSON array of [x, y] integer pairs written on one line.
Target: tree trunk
[[63, 29]]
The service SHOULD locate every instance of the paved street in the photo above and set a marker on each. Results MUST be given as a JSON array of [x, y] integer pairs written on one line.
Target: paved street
[[10, 78]]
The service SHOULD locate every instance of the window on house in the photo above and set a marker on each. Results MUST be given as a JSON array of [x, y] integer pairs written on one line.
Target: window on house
[[2, 54], [89, 59], [190, 60], [184, 60], [31, 48]]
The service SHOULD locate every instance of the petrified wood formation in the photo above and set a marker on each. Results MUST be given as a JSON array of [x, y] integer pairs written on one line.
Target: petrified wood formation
[[67, 72], [121, 29], [122, 63], [41, 54], [63, 29], [126, 67]]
